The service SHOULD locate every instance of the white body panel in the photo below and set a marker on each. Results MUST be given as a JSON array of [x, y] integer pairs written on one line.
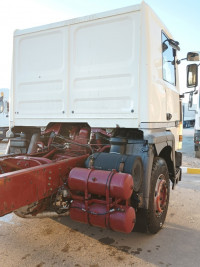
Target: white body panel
[[4, 115], [105, 70], [197, 115]]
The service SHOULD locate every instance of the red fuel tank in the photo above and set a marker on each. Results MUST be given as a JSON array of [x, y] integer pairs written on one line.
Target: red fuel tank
[[120, 185], [120, 221]]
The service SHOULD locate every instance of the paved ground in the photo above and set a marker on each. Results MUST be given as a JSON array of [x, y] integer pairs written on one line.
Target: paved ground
[[188, 153], [188, 145], [61, 242]]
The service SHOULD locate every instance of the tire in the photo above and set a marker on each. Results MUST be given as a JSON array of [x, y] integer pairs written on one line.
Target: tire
[[159, 196]]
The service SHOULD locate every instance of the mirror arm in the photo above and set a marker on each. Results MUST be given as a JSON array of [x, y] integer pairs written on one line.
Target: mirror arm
[[195, 91], [178, 61], [191, 92]]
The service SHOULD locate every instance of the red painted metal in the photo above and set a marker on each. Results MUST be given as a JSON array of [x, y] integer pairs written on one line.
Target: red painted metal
[[105, 199], [53, 128], [14, 164], [23, 187], [160, 198], [41, 160], [99, 130], [79, 137], [122, 220], [83, 136], [50, 153], [98, 197], [96, 182]]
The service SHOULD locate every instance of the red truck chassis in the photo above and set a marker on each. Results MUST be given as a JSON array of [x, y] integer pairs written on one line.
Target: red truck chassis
[[55, 177]]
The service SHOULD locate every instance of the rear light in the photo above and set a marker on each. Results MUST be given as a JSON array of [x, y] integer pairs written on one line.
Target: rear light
[[180, 131]]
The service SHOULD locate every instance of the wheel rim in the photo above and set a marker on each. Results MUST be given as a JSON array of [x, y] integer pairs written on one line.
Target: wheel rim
[[160, 196]]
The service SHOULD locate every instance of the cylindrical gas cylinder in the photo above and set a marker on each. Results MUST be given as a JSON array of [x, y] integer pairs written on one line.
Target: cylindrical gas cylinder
[[120, 185], [131, 164], [96, 215]]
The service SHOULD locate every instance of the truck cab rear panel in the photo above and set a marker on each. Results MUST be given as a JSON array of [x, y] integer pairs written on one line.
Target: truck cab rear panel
[[106, 70]]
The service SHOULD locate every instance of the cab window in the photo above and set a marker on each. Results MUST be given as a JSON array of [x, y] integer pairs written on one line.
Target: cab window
[[168, 61]]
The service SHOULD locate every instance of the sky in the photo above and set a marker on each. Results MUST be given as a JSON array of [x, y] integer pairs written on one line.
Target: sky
[[180, 16]]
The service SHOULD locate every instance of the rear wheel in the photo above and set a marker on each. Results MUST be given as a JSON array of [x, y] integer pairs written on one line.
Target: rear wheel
[[159, 195]]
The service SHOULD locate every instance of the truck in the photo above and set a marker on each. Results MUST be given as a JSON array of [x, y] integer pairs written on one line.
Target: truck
[[197, 128], [189, 115], [95, 121], [192, 82], [4, 112]]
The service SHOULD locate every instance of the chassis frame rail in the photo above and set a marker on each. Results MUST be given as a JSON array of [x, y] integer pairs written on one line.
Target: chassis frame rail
[[23, 187]]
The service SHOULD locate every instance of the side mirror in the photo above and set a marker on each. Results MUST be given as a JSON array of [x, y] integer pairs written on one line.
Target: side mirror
[[190, 103], [193, 56], [192, 75]]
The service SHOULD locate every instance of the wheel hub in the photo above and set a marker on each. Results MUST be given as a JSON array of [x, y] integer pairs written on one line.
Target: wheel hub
[[160, 197]]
